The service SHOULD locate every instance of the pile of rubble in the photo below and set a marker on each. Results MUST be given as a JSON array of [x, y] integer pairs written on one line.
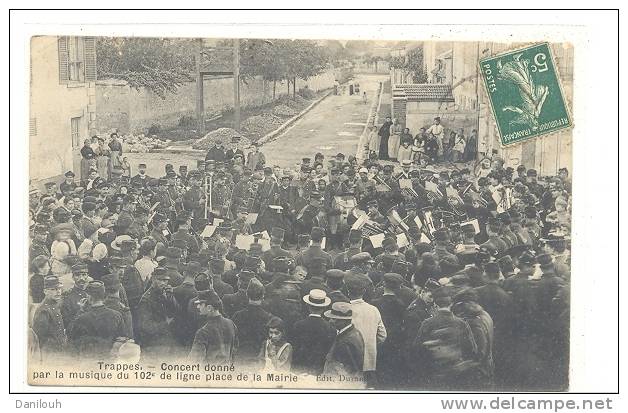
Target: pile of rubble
[[285, 111], [142, 143], [259, 125], [223, 134]]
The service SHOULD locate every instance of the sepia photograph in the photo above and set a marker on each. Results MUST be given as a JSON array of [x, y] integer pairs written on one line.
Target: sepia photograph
[[325, 214]]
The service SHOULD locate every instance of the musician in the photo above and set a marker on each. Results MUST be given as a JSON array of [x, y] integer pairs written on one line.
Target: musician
[[161, 233], [308, 216], [267, 194], [194, 198], [495, 242], [183, 174], [184, 234], [221, 194], [243, 190], [405, 170], [375, 215], [342, 261], [467, 249], [334, 237], [364, 185]]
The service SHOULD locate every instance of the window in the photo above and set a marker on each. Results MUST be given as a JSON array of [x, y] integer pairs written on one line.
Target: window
[[76, 68], [75, 124], [77, 59]]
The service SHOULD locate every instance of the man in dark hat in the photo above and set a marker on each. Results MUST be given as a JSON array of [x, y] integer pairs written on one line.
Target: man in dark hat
[[68, 185], [141, 179], [185, 322], [341, 261], [495, 241], [468, 248], [492, 297], [276, 239], [251, 323], [216, 152], [183, 233], [392, 310], [173, 265], [39, 245], [374, 214], [48, 322], [216, 341], [315, 250], [155, 314], [217, 269], [334, 281], [94, 331], [113, 300], [194, 199], [316, 276], [346, 355], [448, 341], [160, 232], [267, 194], [238, 300], [75, 299], [312, 337]]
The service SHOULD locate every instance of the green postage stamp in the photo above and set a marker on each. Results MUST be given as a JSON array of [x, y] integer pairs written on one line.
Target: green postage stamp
[[525, 93]]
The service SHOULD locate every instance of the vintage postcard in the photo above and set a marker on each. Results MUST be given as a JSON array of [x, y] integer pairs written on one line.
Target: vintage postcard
[[300, 213]]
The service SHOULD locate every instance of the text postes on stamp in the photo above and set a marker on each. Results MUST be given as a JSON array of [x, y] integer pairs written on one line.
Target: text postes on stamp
[[525, 93]]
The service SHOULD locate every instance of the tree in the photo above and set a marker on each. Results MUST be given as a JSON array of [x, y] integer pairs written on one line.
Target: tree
[[416, 66], [160, 65]]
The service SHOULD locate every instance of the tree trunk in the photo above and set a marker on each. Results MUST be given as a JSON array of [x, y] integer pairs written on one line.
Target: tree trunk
[[274, 88], [294, 87], [288, 82]]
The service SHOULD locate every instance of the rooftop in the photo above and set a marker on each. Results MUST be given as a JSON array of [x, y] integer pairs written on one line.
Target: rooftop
[[426, 92]]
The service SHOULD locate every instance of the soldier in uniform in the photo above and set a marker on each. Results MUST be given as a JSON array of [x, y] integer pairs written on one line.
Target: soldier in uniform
[[392, 309], [94, 332], [448, 341], [251, 324], [267, 194], [467, 250], [334, 281], [315, 250], [68, 186], [194, 198], [276, 239], [48, 322], [334, 235], [113, 287], [216, 341], [183, 233], [75, 299], [217, 268], [160, 232], [38, 242], [341, 261], [495, 242], [155, 313], [238, 300]]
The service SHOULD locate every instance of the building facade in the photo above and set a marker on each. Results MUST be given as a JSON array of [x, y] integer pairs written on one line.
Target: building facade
[[62, 103]]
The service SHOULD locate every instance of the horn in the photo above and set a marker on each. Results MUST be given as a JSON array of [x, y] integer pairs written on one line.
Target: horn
[[395, 219]]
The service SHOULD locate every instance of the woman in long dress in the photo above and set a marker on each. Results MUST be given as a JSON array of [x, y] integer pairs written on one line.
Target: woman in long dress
[[384, 133], [102, 161], [116, 151], [395, 140], [88, 159], [374, 140]]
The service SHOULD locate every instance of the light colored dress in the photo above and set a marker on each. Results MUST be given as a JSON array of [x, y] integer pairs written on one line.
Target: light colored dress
[[277, 359], [394, 140]]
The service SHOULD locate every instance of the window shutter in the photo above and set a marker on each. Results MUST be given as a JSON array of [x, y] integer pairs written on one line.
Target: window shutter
[[63, 60], [90, 58], [32, 127]]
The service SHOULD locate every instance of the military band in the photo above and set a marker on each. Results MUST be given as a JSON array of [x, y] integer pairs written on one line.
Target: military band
[[400, 276]]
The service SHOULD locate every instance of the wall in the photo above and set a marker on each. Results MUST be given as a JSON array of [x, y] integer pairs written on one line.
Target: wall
[[422, 114], [52, 105], [126, 109]]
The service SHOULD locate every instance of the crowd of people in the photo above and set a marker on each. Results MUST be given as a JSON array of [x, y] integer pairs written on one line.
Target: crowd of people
[[430, 145], [401, 277]]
